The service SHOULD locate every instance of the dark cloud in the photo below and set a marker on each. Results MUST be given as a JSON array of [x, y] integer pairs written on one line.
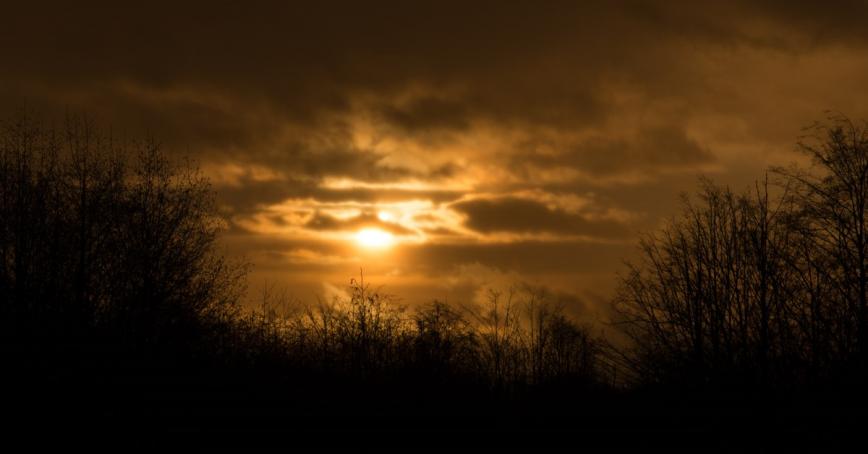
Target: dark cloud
[[321, 221], [818, 22], [508, 63], [426, 114], [347, 162], [222, 78], [511, 214], [651, 150], [528, 257]]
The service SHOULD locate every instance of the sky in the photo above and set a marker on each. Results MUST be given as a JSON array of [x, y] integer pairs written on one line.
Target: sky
[[446, 148]]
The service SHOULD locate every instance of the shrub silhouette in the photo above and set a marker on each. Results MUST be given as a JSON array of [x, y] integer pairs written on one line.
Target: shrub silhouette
[[502, 347], [444, 342]]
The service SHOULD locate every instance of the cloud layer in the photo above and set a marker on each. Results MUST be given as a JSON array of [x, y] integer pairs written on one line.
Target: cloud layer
[[531, 139]]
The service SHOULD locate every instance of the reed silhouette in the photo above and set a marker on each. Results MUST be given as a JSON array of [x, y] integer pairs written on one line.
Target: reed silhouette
[[117, 309]]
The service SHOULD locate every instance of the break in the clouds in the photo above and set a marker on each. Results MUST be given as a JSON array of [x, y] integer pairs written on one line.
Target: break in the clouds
[[494, 136]]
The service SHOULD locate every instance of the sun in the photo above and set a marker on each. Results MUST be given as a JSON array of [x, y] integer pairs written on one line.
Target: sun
[[373, 238], [386, 216]]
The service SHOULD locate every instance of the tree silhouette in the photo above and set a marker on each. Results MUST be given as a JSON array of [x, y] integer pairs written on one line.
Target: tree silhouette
[[831, 199], [106, 243], [754, 291]]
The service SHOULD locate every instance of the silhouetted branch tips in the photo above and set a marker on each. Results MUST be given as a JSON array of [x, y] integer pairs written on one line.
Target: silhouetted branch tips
[[757, 291]]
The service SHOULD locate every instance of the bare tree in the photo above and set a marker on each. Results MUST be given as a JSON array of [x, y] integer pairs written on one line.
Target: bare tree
[[708, 300], [832, 197], [759, 291], [97, 233]]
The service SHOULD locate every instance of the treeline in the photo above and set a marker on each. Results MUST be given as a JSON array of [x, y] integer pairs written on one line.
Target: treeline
[[517, 340], [113, 293], [116, 302]]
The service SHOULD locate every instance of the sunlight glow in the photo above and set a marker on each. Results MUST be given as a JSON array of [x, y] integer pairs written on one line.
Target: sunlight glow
[[374, 238], [385, 216]]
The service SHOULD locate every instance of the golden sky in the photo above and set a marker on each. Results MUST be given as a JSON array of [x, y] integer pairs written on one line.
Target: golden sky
[[446, 147]]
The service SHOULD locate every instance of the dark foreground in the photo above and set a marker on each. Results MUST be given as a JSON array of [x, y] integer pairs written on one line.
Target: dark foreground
[[142, 397]]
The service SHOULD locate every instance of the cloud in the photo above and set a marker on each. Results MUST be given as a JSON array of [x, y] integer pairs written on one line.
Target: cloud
[[321, 221], [651, 149], [530, 257], [613, 155], [426, 114], [246, 195], [522, 215], [528, 138]]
